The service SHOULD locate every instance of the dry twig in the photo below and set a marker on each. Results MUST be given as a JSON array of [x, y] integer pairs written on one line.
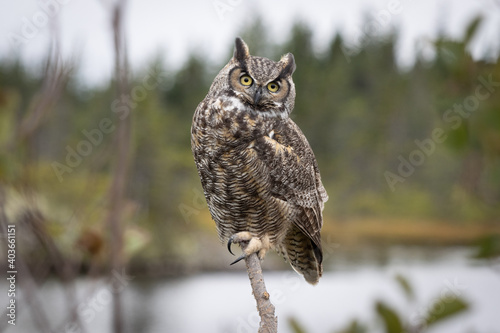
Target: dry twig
[[117, 191], [268, 319]]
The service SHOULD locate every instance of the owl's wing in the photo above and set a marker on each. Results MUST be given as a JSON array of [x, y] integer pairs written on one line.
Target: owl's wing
[[294, 175]]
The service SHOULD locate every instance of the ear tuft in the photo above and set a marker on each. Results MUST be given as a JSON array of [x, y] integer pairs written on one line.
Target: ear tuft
[[288, 63], [241, 51]]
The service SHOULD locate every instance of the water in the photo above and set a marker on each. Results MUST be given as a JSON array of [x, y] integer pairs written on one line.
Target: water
[[222, 302]]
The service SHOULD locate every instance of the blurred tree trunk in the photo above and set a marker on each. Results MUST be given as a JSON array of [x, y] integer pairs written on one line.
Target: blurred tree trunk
[[120, 163]]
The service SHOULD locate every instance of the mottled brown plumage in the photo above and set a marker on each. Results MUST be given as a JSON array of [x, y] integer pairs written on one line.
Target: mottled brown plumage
[[258, 172]]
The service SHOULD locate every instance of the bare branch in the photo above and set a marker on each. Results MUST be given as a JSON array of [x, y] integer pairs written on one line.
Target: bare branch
[[39, 315], [121, 162], [268, 320], [56, 75]]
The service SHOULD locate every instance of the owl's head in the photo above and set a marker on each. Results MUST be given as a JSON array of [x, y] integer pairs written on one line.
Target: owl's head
[[261, 84]]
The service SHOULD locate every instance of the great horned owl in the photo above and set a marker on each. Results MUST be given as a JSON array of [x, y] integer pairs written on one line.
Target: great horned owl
[[258, 172]]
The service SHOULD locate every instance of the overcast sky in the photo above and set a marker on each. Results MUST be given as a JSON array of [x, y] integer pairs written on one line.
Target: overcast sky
[[209, 27]]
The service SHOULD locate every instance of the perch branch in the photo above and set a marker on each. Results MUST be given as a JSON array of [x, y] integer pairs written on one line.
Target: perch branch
[[268, 320]]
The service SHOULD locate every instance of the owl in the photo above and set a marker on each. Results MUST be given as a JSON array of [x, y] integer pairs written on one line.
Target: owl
[[258, 172]]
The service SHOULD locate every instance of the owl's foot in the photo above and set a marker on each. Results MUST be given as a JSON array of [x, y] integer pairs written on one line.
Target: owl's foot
[[249, 244]]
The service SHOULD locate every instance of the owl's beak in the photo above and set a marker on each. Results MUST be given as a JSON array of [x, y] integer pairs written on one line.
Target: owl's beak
[[257, 96]]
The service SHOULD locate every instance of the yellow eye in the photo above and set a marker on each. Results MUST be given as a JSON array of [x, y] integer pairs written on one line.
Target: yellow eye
[[246, 80], [273, 86]]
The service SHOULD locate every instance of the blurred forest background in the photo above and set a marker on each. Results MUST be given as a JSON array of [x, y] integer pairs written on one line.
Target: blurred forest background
[[361, 117], [409, 157]]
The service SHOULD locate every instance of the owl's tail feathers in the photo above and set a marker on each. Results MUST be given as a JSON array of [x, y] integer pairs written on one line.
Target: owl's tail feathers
[[304, 256]]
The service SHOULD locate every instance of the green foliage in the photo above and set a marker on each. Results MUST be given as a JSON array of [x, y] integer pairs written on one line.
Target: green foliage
[[295, 325], [445, 308], [353, 327], [472, 29], [488, 247], [405, 286], [389, 317], [441, 309]]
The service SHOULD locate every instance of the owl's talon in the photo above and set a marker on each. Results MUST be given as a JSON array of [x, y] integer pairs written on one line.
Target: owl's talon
[[236, 238], [229, 242], [249, 244], [243, 256]]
